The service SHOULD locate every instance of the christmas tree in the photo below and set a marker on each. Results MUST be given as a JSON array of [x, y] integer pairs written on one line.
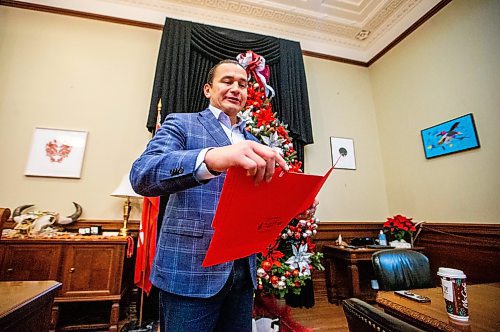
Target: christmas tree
[[286, 265]]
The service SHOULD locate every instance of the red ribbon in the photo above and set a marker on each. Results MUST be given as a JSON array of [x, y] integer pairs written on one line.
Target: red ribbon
[[130, 246], [252, 66]]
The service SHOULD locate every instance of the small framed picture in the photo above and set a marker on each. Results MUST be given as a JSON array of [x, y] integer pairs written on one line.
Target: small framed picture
[[95, 230], [56, 153], [452, 136], [342, 150]]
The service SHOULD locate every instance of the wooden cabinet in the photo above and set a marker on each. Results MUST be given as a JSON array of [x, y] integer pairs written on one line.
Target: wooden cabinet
[[32, 262], [89, 268], [88, 271]]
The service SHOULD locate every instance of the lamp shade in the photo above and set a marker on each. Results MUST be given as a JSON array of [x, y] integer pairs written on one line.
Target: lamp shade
[[125, 189]]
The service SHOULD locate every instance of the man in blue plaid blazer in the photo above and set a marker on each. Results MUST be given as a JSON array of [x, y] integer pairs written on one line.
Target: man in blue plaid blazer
[[186, 159]]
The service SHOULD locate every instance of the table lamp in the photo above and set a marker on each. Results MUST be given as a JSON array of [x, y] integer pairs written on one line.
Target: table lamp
[[124, 190]]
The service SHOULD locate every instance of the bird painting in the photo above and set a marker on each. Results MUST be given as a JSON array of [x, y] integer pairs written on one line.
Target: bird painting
[[452, 136], [448, 136]]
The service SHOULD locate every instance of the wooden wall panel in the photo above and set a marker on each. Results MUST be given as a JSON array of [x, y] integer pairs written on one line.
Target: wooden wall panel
[[473, 248]]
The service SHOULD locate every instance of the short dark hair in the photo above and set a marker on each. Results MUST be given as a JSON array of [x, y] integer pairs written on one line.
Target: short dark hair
[[210, 77]]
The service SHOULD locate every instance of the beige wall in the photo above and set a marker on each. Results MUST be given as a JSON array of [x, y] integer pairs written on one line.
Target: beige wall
[[95, 76], [342, 106], [71, 73], [447, 68]]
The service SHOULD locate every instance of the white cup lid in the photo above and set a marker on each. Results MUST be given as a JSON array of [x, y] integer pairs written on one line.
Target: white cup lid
[[452, 273]]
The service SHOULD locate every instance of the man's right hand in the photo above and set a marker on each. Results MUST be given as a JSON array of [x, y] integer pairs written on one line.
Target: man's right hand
[[258, 160]]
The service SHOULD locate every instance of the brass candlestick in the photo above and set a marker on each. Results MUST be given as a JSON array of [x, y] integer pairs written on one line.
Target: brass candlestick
[[125, 190], [126, 215]]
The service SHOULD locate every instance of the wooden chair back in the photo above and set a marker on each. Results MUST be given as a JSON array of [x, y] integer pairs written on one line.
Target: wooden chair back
[[363, 317], [4, 215], [402, 269]]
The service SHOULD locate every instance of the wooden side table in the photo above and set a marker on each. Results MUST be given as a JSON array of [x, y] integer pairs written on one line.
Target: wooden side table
[[349, 273]]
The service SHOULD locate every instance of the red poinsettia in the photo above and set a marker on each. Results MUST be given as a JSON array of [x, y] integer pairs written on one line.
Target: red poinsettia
[[398, 226], [264, 117], [296, 167], [272, 259], [283, 133]]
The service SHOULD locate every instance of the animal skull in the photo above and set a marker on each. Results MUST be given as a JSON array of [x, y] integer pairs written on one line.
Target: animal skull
[[35, 222]]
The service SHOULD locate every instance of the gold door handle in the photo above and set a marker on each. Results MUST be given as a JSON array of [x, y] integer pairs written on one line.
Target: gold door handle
[[72, 270]]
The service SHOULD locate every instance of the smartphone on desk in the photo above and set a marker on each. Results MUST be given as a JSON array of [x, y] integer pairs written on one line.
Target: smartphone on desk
[[412, 296]]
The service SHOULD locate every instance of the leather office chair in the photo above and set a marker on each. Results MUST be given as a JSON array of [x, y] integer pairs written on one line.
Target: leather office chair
[[401, 269], [363, 317], [4, 215]]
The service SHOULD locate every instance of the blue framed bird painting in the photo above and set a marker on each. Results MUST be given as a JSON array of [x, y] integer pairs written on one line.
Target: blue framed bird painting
[[451, 136]]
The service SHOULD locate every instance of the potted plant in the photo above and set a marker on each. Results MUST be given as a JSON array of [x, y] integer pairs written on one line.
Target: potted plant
[[399, 230]]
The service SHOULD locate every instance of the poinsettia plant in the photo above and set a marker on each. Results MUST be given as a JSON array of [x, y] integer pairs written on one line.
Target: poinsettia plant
[[399, 226], [287, 264]]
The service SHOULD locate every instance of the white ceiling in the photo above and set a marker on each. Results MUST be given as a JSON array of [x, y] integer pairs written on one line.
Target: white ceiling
[[352, 29]]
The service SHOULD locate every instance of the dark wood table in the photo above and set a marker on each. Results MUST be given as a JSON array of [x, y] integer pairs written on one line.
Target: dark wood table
[[484, 309], [26, 305], [349, 272]]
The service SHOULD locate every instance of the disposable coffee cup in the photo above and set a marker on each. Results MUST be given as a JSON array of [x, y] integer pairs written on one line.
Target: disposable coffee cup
[[454, 287]]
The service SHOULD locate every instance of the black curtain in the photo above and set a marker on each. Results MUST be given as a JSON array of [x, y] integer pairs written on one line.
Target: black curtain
[[187, 52]]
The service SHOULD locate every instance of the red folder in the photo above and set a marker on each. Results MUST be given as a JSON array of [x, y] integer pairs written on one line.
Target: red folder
[[249, 218]]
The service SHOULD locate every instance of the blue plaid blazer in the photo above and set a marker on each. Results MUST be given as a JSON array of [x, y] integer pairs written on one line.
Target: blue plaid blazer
[[167, 167]]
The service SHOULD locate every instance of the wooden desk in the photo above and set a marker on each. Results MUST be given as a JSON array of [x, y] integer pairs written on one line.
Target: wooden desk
[[26, 305], [484, 309], [348, 273]]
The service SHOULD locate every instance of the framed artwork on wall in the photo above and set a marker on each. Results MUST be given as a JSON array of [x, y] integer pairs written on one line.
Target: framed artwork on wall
[[452, 136], [56, 153], [342, 150]]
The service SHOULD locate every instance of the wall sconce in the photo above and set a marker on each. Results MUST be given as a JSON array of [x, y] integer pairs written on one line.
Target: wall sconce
[[124, 190]]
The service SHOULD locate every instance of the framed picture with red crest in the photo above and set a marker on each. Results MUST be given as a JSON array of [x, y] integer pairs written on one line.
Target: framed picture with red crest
[[56, 153]]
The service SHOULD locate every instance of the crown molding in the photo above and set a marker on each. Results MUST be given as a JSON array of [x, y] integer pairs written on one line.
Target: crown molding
[[320, 37]]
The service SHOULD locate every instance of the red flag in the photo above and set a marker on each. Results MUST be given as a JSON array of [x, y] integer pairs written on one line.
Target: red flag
[[146, 243]]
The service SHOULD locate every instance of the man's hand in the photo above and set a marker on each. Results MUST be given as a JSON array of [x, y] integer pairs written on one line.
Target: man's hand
[[309, 213], [258, 160]]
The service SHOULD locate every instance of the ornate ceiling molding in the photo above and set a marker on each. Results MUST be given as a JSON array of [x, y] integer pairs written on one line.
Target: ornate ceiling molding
[[357, 30]]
